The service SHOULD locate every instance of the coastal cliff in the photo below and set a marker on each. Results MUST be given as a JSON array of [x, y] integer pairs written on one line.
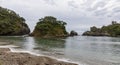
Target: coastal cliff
[[12, 24], [112, 30]]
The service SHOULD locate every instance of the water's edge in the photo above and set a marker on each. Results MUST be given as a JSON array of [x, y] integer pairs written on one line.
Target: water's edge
[[11, 47]]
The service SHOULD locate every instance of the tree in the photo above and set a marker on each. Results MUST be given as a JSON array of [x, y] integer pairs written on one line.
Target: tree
[[114, 22], [11, 23], [50, 26], [93, 29], [109, 30]]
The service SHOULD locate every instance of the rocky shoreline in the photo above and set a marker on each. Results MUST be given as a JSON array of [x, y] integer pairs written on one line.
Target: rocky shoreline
[[11, 58], [111, 30]]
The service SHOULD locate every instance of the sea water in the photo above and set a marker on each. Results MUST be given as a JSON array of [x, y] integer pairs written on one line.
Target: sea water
[[85, 50]]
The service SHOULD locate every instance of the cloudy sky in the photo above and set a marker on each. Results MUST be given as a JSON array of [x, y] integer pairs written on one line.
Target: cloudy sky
[[79, 14]]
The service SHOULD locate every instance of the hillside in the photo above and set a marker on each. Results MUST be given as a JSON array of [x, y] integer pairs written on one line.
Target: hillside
[[11, 23]]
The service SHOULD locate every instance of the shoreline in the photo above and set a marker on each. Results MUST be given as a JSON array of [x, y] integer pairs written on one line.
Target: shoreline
[[7, 57]]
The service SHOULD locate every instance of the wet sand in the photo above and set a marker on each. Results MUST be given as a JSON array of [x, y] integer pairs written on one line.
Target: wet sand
[[11, 58]]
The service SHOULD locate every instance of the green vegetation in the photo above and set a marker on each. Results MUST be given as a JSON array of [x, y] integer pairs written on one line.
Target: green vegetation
[[110, 30], [50, 27], [11, 23]]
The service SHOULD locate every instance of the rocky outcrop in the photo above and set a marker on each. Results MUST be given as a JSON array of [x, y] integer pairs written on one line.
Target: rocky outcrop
[[73, 33], [49, 27], [110, 30], [11, 23], [90, 33]]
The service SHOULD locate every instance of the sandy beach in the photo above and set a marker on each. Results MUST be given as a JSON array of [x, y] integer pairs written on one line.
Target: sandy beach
[[11, 58]]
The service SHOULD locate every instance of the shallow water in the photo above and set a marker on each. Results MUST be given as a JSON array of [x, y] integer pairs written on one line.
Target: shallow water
[[82, 49]]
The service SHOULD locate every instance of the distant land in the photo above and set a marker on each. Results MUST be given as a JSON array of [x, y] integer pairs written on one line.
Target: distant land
[[11, 24], [49, 26], [112, 30]]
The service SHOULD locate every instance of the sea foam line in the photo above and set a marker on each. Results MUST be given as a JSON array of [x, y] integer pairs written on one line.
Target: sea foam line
[[12, 49], [32, 53]]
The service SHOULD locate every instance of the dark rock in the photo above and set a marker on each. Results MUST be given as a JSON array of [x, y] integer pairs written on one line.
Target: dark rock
[[73, 33]]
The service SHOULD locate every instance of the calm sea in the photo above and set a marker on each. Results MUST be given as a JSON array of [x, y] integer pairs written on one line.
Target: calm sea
[[85, 50]]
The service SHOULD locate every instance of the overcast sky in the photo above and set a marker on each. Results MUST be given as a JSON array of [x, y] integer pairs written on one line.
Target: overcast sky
[[80, 15]]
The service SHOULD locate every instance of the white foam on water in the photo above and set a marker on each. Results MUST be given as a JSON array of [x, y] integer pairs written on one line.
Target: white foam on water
[[12, 48], [68, 60], [23, 51], [8, 46], [32, 53]]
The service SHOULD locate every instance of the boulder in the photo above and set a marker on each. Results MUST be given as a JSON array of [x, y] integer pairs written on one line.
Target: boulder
[[73, 33]]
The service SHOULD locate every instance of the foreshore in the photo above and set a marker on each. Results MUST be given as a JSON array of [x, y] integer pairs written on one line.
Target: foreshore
[[11, 58]]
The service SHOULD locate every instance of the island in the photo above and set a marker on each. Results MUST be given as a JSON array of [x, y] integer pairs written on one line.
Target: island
[[112, 30], [49, 26], [12, 24]]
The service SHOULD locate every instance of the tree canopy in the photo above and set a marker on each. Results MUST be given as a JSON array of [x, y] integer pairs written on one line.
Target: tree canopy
[[50, 26], [110, 30], [11, 23]]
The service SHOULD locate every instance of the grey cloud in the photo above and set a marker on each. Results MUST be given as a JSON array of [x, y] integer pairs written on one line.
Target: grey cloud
[[72, 4], [52, 2], [32, 10], [102, 12], [100, 4], [116, 9], [116, 17], [0, 1], [109, 15], [117, 0]]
